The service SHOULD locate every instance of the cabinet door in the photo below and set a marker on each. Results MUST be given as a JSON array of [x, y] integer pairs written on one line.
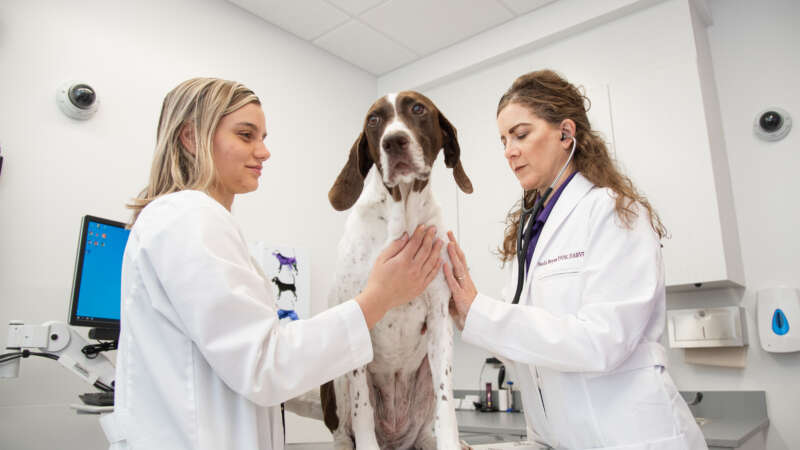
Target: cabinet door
[[599, 113], [661, 142]]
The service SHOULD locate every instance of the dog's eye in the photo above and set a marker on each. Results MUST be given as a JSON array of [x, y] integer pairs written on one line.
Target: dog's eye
[[418, 109], [373, 120]]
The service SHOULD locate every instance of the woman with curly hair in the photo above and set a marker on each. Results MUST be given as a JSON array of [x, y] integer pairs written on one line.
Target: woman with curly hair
[[580, 325]]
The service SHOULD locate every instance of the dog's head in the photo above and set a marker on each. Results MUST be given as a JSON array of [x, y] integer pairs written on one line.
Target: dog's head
[[402, 136]]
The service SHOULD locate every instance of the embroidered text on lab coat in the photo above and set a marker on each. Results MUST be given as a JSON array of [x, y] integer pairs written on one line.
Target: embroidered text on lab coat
[[564, 257]]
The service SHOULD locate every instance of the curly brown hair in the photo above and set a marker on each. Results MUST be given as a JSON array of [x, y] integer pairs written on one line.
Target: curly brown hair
[[553, 99]]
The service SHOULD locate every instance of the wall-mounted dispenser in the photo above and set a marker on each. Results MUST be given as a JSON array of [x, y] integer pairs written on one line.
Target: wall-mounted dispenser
[[707, 327], [778, 319]]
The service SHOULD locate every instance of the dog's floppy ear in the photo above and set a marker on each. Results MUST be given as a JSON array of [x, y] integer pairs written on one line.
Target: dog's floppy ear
[[350, 182], [452, 154]]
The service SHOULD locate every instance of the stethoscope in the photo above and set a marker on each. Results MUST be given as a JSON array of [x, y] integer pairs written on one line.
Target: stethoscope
[[528, 217]]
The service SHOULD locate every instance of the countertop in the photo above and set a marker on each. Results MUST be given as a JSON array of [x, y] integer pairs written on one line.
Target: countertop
[[470, 423], [491, 422], [727, 419]]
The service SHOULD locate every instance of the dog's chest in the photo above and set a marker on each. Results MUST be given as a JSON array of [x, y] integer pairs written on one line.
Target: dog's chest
[[376, 220], [399, 340]]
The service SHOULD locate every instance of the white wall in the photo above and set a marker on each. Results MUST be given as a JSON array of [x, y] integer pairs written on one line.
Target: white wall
[[620, 49], [57, 169], [754, 47]]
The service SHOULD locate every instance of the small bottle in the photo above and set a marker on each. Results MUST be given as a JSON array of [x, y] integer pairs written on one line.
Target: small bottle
[[510, 393], [489, 403]]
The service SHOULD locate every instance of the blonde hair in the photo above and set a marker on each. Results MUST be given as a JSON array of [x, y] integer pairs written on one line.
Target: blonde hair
[[553, 99], [199, 103]]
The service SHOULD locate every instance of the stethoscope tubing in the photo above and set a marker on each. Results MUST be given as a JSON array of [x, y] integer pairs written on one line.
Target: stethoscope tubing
[[527, 218]]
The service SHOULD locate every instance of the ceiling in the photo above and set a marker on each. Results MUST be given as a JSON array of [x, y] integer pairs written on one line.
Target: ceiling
[[381, 35]]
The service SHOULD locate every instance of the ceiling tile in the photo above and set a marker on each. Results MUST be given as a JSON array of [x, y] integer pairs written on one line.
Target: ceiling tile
[[364, 47], [356, 7], [523, 6], [425, 26], [304, 18]]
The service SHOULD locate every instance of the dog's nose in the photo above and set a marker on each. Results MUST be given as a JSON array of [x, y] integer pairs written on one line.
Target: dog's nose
[[395, 143]]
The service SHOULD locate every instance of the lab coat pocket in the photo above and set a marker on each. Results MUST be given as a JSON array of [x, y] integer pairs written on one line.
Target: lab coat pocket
[[670, 443], [631, 406], [557, 289], [558, 271], [113, 426]]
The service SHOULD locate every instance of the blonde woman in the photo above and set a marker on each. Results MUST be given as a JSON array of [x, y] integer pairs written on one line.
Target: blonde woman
[[584, 337], [203, 362]]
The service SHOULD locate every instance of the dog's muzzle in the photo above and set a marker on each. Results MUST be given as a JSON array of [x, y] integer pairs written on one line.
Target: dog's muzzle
[[402, 165]]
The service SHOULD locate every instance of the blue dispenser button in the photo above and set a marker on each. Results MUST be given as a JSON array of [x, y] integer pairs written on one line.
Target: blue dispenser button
[[779, 323]]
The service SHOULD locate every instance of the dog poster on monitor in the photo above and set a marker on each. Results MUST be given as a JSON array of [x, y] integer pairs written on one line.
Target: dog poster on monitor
[[288, 271]]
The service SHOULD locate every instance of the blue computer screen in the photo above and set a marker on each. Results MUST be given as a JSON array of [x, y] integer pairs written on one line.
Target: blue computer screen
[[99, 293]]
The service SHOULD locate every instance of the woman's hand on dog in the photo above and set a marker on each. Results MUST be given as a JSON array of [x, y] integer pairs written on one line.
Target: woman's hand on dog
[[401, 273], [459, 281]]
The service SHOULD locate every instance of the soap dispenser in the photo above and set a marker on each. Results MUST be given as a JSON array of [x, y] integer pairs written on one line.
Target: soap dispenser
[[778, 319]]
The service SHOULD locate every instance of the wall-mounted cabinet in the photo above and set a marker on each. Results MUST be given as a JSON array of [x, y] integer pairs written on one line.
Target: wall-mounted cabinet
[[662, 141], [653, 98], [668, 137]]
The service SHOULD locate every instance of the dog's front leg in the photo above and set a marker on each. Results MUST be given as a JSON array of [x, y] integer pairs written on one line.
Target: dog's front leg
[[362, 413], [440, 356]]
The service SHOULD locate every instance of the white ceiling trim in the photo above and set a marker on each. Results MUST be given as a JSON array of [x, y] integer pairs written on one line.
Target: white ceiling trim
[[556, 21]]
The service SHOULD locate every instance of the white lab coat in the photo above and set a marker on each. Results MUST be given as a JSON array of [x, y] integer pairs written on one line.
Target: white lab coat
[[203, 362], [586, 332]]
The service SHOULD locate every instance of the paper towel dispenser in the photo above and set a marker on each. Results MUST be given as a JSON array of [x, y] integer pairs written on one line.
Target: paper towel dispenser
[[707, 327]]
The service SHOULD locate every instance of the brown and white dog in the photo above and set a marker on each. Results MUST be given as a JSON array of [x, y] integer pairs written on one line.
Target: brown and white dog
[[404, 397]]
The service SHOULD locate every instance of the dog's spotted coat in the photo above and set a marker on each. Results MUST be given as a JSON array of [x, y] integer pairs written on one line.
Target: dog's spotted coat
[[392, 403]]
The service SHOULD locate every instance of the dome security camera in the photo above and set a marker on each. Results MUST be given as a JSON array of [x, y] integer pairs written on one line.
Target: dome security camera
[[772, 124], [77, 100]]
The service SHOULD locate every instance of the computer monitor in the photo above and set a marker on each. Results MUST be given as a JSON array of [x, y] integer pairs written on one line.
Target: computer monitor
[[98, 272]]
